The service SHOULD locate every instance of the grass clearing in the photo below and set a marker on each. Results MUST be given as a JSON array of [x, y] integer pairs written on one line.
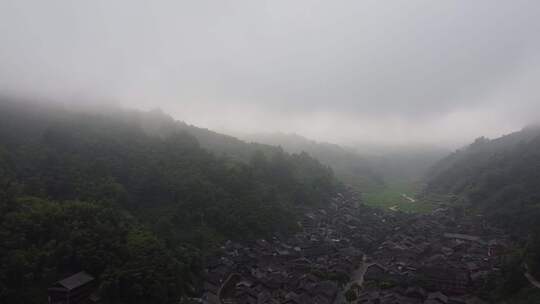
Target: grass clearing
[[393, 197]]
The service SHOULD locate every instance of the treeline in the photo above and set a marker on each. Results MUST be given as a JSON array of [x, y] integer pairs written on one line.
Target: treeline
[[500, 179], [100, 193]]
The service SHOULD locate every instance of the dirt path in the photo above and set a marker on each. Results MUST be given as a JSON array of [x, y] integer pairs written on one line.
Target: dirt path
[[530, 278], [410, 199]]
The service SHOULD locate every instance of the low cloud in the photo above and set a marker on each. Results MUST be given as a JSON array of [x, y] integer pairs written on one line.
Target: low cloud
[[347, 72]]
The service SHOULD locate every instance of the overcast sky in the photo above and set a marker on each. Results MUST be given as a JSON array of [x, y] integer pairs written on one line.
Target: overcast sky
[[439, 72]]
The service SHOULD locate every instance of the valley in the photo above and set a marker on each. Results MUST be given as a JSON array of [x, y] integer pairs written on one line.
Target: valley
[[270, 152], [131, 200]]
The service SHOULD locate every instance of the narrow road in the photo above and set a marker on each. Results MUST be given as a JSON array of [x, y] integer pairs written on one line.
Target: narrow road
[[530, 278], [410, 199], [356, 277]]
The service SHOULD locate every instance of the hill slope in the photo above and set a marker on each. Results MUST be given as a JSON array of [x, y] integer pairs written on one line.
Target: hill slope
[[500, 173], [99, 191], [500, 179]]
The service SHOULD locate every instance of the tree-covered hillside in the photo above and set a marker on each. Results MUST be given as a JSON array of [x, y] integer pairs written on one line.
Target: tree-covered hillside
[[160, 124], [502, 173], [100, 192], [500, 179]]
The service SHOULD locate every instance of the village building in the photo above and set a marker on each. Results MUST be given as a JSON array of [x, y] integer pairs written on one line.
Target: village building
[[76, 289]]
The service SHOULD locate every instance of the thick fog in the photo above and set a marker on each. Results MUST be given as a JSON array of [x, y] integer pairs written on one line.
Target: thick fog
[[438, 72]]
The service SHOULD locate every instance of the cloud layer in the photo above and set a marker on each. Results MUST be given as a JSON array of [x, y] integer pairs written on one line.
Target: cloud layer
[[344, 71]]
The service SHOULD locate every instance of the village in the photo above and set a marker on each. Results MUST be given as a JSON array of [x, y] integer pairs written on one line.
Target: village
[[351, 253]]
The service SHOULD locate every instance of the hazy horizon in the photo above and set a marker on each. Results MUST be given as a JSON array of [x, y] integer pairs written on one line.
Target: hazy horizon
[[405, 72]]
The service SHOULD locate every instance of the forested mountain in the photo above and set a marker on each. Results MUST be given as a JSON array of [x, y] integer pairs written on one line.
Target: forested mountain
[[348, 166], [500, 179], [501, 172], [158, 123], [134, 199]]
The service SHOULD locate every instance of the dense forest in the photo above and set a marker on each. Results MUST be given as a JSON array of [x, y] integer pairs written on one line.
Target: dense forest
[[135, 199], [500, 180]]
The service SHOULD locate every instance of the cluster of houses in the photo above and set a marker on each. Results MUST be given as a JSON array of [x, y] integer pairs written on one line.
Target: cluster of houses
[[435, 258], [350, 253], [308, 267]]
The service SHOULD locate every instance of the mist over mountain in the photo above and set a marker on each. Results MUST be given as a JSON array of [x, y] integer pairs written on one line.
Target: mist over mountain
[[489, 174], [366, 166], [334, 72], [269, 152], [350, 167], [402, 163]]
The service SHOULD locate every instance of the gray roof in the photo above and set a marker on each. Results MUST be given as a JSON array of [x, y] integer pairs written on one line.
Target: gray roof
[[76, 280], [459, 236]]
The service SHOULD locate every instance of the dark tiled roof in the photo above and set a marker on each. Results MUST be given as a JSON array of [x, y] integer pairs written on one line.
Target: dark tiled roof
[[76, 280]]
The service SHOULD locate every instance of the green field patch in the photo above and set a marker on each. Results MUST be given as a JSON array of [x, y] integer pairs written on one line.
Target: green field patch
[[397, 197]]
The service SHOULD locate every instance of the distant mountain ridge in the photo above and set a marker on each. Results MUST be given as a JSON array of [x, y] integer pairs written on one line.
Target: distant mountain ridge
[[158, 123], [348, 166]]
